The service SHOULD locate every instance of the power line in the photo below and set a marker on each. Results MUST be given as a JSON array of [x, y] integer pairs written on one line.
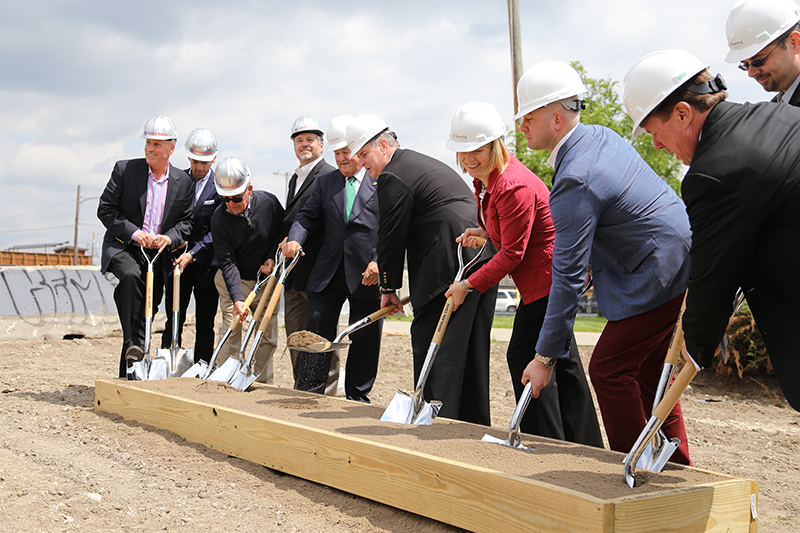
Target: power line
[[34, 229], [34, 212]]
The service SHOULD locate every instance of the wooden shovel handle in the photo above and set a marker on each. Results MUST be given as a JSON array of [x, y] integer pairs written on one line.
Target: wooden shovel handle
[[176, 289], [673, 394], [443, 320], [273, 303], [676, 343], [383, 311], [148, 298], [265, 297]]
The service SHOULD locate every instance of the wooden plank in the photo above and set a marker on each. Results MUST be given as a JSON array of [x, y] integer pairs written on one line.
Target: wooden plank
[[464, 495]]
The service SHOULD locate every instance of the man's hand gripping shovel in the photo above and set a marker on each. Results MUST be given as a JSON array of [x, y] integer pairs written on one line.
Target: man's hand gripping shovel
[[408, 408]]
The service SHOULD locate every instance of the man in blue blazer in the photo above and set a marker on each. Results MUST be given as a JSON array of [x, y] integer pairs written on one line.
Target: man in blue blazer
[[612, 211], [197, 262], [345, 203], [147, 202]]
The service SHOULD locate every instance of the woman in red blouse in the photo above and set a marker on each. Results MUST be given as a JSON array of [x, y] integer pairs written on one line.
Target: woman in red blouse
[[514, 213]]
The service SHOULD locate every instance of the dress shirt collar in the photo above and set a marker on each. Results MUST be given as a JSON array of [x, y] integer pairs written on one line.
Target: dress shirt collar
[[199, 186], [552, 159], [304, 171], [784, 97], [151, 175]]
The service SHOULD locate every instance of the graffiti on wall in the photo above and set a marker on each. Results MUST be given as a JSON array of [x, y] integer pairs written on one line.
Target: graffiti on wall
[[34, 295]]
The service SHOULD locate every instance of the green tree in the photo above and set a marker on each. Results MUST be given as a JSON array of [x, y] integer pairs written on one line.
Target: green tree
[[604, 108]]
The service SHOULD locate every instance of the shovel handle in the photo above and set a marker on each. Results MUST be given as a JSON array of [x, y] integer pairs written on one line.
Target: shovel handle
[[265, 298], [176, 289], [148, 299], [676, 343], [247, 302], [273, 303], [447, 311], [383, 311], [673, 394]]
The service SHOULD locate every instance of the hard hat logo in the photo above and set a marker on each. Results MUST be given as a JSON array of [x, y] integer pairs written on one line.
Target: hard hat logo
[[753, 24], [231, 177], [161, 128], [201, 145]]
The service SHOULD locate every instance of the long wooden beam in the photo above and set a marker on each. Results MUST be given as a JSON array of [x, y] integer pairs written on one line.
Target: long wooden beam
[[464, 495]]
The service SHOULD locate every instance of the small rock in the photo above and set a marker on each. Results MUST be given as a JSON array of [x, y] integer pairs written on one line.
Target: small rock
[[93, 496]]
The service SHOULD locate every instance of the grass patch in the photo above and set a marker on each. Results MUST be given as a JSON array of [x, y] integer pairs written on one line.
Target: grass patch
[[591, 323]]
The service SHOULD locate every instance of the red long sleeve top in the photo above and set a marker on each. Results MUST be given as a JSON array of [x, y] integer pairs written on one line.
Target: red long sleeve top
[[515, 212]]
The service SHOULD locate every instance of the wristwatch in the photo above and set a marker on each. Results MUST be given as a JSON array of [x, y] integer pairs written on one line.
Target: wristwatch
[[548, 362], [192, 254], [387, 291]]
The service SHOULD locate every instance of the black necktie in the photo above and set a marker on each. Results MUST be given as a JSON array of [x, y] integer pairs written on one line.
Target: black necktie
[[292, 187]]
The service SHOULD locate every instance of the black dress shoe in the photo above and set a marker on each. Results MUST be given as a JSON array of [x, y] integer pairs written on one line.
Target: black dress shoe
[[134, 354]]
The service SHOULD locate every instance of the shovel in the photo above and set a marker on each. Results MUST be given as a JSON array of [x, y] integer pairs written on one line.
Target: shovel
[[338, 343], [201, 369], [244, 376], [406, 408], [659, 448], [149, 368], [229, 368], [513, 438], [178, 359]]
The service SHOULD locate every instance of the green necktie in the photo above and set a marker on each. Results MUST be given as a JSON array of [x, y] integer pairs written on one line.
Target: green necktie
[[351, 197]]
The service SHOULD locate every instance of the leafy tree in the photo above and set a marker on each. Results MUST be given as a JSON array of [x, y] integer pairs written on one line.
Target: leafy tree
[[603, 107]]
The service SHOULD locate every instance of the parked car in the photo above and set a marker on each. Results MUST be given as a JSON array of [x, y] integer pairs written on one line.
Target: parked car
[[506, 301]]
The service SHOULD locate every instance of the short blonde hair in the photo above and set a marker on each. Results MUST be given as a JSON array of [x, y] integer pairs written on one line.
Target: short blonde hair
[[499, 158]]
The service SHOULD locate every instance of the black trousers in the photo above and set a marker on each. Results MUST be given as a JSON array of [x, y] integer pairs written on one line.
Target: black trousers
[[459, 376], [564, 409], [324, 308], [130, 268], [206, 301]]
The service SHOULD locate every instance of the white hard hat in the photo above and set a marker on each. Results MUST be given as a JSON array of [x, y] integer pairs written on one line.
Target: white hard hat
[[363, 129], [304, 124], [337, 132], [161, 128], [201, 145], [753, 24], [653, 78], [231, 177], [545, 83], [474, 125]]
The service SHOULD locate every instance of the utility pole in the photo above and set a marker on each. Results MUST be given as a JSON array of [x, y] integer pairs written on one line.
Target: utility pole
[[516, 48], [77, 216]]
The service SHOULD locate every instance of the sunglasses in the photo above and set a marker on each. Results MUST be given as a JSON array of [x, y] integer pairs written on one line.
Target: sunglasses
[[756, 63], [234, 199]]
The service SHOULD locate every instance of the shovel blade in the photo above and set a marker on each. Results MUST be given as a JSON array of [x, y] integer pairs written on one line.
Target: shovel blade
[[183, 361], [242, 380], [655, 456], [506, 442], [401, 410], [196, 370], [141, 371], [226, 372]]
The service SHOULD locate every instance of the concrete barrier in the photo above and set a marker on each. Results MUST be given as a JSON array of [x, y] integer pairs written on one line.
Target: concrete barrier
[[35, 301]]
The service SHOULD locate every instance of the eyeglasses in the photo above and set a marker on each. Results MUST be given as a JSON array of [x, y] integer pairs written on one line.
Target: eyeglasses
[[756, 63], [234, 199]]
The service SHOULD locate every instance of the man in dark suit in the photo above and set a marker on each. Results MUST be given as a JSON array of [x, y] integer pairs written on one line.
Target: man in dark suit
[[424, 205], [764, 39], [146, 202], [345, 204], [742, 193], [307, 138], [197, 262]]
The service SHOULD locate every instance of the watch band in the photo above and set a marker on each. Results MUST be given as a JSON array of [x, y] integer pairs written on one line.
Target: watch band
[[548, 362]]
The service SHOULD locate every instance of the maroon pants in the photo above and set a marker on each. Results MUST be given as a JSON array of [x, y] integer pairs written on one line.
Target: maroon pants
[[625, 369]]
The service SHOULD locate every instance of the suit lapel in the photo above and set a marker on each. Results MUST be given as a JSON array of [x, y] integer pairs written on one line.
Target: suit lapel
[[172, 192], [580, 131], [141, 187], [208, 192]]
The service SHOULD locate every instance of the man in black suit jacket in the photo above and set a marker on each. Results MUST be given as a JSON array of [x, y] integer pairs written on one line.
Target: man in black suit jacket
[[198, 264], [742, 194], [346, 268], [146, 202], [424, 205], [307, 138], [764, 39]]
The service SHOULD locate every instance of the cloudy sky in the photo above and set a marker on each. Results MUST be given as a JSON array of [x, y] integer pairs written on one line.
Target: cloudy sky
[[80, 78]]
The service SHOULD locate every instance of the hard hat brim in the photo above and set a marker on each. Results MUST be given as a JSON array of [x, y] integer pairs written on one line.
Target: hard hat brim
[[456, 146]]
